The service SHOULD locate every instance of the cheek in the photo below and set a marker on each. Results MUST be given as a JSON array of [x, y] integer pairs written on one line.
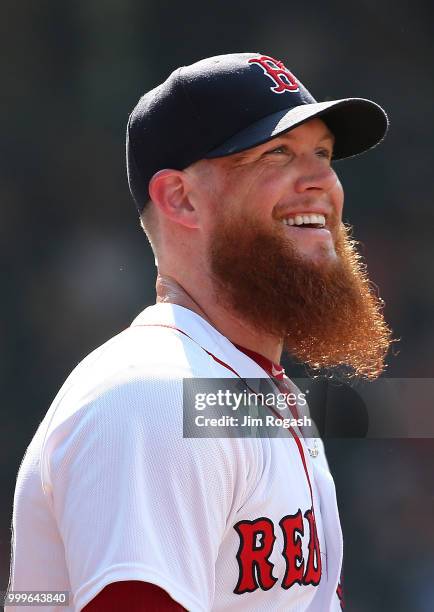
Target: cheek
[[247, 193], [337, 199]]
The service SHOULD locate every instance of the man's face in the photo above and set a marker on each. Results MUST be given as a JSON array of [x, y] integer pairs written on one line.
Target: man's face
[[305, 285], [285, 186]]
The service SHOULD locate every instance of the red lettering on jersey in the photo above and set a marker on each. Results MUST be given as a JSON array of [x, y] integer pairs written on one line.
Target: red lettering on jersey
[[292, 527], [256, 543], [340, 590], [313, 566], [282, 78]]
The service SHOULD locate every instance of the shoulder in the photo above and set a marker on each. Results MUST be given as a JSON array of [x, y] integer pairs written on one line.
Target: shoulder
[[128, 394], [138, 360]]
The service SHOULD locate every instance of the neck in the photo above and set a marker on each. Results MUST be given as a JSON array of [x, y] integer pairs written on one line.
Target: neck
[[226, 322]]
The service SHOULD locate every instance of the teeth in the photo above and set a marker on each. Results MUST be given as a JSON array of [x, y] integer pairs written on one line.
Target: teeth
[[315, 219]]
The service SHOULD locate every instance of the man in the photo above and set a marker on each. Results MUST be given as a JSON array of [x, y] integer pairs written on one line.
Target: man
[[229, 164]]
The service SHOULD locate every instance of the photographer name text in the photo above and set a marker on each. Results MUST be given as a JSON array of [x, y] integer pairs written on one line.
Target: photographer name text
[[248, 421]]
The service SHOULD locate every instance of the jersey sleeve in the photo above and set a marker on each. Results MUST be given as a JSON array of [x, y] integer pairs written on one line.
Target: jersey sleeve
[[134, 500]]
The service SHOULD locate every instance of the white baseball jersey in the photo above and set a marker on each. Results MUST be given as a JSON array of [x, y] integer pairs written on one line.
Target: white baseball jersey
[[109, 489]]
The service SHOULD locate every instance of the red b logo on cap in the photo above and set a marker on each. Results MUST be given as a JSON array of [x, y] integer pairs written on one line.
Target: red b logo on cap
[[282, 78]]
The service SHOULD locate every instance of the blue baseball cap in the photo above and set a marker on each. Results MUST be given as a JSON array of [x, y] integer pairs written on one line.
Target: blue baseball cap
[[228, 103]]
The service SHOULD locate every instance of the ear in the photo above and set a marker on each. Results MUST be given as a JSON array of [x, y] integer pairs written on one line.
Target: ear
[[169, 190]]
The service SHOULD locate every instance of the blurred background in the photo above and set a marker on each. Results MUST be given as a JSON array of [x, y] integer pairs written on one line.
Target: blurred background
[[76, 265]]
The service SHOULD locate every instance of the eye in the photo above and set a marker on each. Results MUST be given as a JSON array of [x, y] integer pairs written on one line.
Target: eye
[[282, 149], [325, 153]]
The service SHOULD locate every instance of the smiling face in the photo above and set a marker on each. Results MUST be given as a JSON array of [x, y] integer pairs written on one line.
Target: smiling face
[[286, 186], [279, 255]]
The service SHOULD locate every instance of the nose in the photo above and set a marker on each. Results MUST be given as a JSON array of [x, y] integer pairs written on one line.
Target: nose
[[316, 174]]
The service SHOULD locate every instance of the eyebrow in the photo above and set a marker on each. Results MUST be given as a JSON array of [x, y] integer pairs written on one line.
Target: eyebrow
[[325, 136], [328, 136], [245, 154]]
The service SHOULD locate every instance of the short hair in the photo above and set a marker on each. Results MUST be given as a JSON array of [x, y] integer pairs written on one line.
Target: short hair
[[148, 222]]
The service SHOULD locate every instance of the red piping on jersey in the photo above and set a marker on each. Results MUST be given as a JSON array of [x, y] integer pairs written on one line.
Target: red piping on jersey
[[274, 370], [228, 367]]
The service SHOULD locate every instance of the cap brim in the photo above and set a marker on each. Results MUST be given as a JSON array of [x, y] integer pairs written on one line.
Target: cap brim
[[357, 125]]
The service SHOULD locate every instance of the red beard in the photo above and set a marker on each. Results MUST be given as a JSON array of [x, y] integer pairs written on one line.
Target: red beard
[[328, 315]]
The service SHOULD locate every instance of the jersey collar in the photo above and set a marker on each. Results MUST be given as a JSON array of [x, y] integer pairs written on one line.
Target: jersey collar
[[273, 369], [247, 363]]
